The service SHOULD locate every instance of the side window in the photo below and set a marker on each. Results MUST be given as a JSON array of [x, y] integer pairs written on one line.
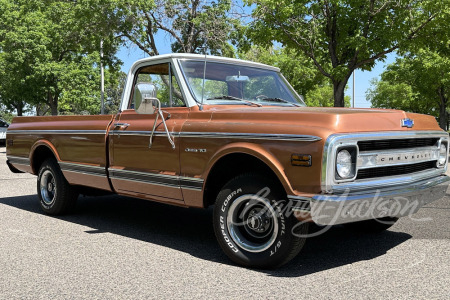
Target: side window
[[168, 89]]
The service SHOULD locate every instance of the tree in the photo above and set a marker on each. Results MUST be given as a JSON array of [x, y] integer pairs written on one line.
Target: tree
[[4, 114], [299, 71], [418, 83], [322, 95], [340, 36], [114, 91], [190, 24], [47, 50]]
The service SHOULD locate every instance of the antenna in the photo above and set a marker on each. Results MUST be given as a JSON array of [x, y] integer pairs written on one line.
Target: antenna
[[204, 75]]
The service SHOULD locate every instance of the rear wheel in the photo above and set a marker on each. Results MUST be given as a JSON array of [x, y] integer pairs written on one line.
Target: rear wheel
[[251, 225], [372, 226], [56, 195]]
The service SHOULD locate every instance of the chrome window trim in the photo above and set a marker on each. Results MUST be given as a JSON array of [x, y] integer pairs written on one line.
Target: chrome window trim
[[174, 58], [333, 141], [234, 62]]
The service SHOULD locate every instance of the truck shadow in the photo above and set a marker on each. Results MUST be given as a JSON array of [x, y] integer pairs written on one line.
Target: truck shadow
[[190, 231]]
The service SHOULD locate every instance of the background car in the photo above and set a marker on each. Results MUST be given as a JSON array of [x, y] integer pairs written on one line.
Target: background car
[[3, 127]]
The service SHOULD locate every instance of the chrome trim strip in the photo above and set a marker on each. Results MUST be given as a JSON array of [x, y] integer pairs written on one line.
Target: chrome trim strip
[[226, 135], [335, 140], [83, 169], [56, 132], [158, 179], [18, 160], [142, 133], [252, 136]]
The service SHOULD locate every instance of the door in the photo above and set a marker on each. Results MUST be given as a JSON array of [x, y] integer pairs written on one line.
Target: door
[[137, 168]]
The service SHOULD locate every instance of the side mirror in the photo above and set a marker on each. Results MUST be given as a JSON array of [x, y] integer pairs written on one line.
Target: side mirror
[[145, 98]]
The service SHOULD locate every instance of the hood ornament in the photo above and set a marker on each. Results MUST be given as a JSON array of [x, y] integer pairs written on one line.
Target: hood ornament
[[409, 123]]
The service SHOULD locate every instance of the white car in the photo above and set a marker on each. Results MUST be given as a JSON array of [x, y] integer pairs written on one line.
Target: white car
[[3, 128]]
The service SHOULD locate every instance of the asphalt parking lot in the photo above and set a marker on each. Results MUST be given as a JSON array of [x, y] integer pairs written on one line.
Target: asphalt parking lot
[[121, 248]]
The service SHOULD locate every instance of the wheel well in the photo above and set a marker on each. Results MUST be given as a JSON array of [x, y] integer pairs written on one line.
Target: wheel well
[[40, 154], [231, 166]]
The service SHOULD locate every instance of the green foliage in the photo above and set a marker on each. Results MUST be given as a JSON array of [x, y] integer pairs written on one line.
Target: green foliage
[[49, 54], [298, 69], [189, 24], [115, 83], [323, 96], [340, 36], [418, 83], [399, 95], [5, 115]]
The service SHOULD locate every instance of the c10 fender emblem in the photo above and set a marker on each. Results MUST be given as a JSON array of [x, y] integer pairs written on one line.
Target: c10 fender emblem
[[195, 150]]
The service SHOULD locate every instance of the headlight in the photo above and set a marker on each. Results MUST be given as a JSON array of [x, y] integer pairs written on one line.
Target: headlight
[[442, 155], [344, 164]]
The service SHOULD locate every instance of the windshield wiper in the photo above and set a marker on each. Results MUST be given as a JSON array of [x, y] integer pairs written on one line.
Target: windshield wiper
[[226, 97], [279, 100]]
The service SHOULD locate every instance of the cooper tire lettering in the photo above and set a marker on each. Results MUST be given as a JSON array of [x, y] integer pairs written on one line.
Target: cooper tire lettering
[[250, 225]]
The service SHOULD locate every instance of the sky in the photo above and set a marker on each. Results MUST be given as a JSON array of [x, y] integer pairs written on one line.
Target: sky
[[362, 78]]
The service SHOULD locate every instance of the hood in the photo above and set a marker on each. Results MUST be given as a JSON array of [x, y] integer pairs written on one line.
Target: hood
[[335, 118]]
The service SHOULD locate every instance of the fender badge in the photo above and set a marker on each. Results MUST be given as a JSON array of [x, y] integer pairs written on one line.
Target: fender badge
[[407, 123], [195, 150]]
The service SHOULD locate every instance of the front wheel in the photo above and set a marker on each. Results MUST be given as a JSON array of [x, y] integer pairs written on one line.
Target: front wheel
[[251, 225], [56, 195]]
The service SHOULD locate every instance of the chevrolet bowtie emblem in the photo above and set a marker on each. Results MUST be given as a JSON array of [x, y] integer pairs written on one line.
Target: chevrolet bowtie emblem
[[407, 123]]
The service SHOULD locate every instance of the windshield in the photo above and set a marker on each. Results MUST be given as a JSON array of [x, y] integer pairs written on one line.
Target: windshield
[[235, 84]]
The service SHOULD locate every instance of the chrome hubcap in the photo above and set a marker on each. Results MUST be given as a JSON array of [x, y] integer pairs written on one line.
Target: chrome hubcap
[[252, 223], [48, 187]]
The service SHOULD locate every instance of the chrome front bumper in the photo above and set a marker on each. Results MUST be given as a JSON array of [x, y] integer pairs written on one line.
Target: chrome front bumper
[[396, 201]]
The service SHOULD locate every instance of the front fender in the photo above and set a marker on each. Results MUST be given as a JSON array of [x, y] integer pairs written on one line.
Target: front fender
[[257, 151]]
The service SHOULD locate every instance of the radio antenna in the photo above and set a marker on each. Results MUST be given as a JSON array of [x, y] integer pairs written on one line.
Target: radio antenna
[[204, 75]]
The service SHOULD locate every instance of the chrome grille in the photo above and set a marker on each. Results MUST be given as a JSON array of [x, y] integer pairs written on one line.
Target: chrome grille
[[395, 170], [384, 158], [386, 144]]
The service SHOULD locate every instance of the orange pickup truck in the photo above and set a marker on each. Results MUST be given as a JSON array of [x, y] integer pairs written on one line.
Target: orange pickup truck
[[197, 131]]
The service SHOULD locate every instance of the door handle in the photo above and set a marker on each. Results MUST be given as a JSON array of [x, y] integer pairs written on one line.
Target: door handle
[[121, 125]]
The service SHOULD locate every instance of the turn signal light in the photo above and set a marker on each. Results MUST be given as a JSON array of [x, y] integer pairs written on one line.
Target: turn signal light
[[302, 160]]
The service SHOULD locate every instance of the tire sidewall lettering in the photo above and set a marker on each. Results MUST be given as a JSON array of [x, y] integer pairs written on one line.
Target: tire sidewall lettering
[[229, 197], [273, 249]]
